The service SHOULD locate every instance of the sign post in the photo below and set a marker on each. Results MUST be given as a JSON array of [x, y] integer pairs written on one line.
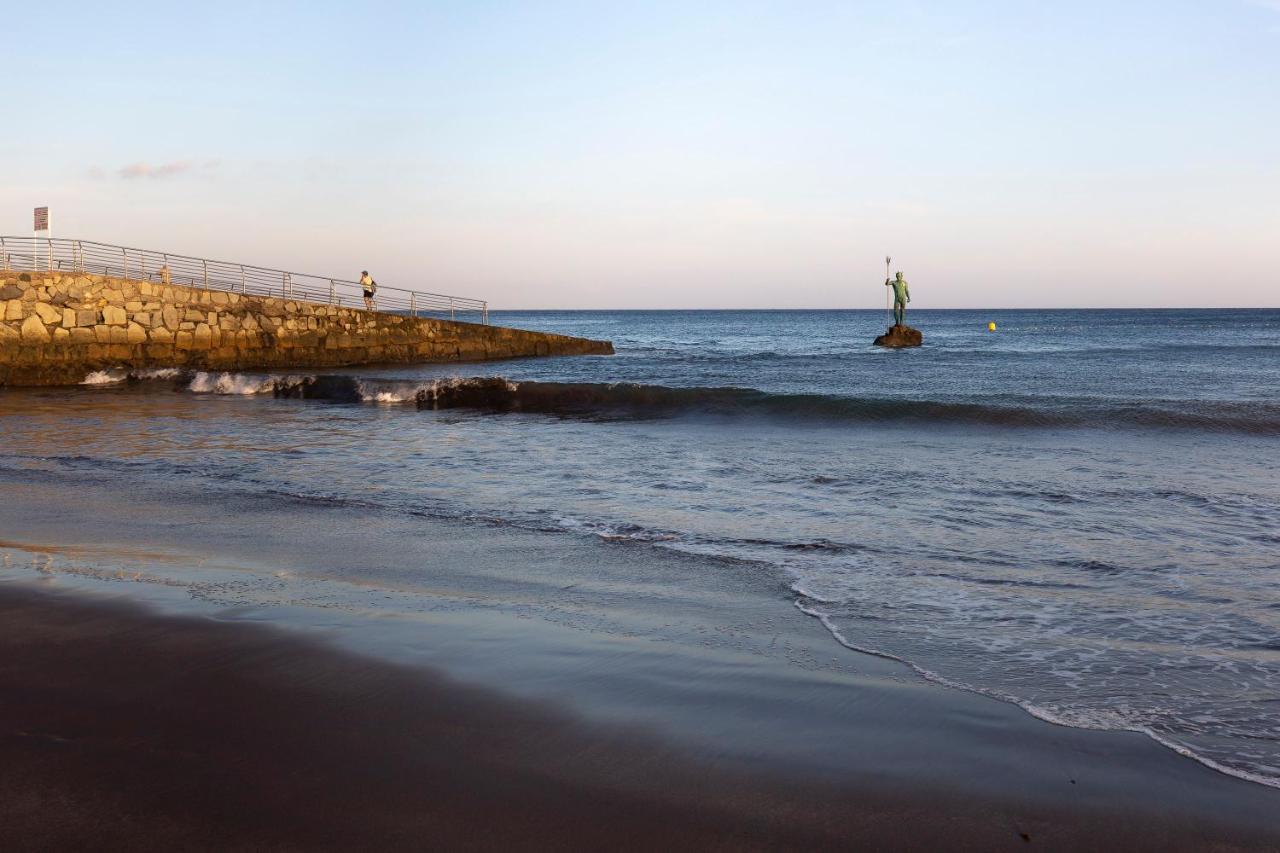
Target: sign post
[[41, 224]]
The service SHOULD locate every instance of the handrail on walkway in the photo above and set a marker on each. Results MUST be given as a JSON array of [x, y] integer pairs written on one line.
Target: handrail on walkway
[[63, 254]]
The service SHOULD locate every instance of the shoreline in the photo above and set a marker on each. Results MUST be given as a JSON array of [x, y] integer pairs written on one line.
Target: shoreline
[[715, 671], [149, 731], [1030, 709]]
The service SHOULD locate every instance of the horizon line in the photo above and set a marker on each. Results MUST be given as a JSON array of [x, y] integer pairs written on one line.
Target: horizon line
[[978, 308]]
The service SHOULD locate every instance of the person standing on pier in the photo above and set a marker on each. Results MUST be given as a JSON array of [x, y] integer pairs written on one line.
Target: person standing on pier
[[370, 289]]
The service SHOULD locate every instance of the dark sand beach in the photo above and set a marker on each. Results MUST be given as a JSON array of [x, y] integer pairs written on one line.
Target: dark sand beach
[[126, 729], [148, 704]]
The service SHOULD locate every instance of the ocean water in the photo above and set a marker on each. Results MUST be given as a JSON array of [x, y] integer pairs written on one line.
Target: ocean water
[[1078, 513]]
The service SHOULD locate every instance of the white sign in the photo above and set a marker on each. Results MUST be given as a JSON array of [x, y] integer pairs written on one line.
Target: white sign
[[42, 219]]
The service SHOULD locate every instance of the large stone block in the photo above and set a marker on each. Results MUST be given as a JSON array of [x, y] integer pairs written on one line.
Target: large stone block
[[203, 336], [33, 331], [161, 335], [170, 316], [68, 318], [119, 335], [13, 310], [135, 334], [183, 340], [102, 334], [47, 313], [114, 316], [80, 335], [86, 317]]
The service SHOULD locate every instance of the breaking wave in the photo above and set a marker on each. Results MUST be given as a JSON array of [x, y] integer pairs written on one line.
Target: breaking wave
[[568, 399], [113, 377]]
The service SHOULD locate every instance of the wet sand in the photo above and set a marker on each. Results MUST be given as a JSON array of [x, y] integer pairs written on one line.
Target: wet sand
[[125, 729], [186, 670]]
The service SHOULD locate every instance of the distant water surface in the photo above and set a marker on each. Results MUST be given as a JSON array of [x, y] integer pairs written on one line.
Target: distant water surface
[[1079, 513]]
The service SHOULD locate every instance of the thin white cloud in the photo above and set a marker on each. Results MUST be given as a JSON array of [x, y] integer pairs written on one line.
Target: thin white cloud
[[154, 172]]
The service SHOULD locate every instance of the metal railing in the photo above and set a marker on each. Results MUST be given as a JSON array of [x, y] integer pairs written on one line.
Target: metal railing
[[66, 255]]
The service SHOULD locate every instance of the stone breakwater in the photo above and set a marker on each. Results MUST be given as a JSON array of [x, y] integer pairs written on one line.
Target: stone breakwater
[[56, 327]]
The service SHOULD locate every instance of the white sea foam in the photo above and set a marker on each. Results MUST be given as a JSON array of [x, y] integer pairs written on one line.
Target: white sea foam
[[116, 375], [1098, 721], [389, 391], [232, 384], [104, 377], [156, 373]]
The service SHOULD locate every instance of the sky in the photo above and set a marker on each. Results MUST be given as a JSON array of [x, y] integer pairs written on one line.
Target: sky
[[669, 154]]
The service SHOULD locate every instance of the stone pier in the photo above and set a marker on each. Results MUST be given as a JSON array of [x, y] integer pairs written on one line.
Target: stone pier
[[57, 327]]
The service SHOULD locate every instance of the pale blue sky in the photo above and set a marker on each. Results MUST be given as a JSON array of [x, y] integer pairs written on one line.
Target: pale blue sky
[[670, 154]]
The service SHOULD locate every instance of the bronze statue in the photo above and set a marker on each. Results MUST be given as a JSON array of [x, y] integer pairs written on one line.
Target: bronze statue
[[901, 296]]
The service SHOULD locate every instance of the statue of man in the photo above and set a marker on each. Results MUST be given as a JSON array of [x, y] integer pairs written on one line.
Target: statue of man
[[901, 296]]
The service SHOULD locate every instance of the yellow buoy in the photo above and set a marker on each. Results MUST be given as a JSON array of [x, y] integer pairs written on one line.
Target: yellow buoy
[[991, 327]]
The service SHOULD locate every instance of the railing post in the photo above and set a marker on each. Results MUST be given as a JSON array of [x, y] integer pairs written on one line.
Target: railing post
[[413, 303], [205, 264], [333, 292], [5, 254], [242, 290], [484, 313], [451, 308], [124, 253]]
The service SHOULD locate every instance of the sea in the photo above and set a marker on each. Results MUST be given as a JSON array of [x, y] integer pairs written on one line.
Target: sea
[[1078, 512]]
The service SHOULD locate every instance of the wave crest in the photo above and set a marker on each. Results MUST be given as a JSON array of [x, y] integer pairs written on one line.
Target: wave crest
[[576, 399]]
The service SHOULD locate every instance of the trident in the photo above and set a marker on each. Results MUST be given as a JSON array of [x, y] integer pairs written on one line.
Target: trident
[[888, 306]]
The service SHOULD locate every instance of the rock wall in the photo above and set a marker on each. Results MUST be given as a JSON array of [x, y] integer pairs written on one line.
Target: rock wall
[[57, 327]]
